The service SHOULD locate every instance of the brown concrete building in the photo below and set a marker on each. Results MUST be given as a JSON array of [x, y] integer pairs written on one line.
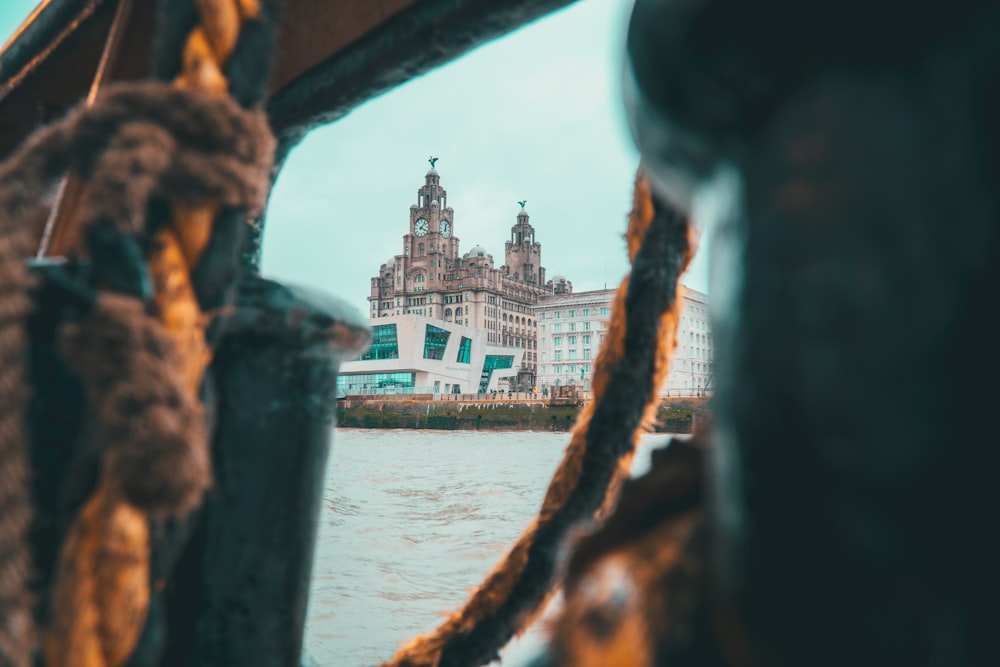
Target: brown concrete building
[[431, 278]]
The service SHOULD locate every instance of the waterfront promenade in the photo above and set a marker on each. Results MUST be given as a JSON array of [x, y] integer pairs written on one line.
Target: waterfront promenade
[[476, 412], [499, 396]]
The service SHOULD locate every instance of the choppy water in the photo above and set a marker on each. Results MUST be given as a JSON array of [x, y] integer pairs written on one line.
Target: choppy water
[[411, 521]]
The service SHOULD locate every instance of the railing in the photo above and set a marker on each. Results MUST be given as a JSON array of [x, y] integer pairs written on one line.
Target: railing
[[428, 394], [686, 393], [403, 392], [489, 396], [425, 395]]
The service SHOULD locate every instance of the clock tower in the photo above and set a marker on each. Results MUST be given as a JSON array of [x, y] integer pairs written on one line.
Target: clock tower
[[432, 222]]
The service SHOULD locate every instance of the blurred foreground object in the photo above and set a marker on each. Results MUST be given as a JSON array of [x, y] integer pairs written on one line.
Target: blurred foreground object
[[845, 161]]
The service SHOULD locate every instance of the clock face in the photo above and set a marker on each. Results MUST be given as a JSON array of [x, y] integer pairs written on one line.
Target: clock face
[[446, 229], [421, 226]]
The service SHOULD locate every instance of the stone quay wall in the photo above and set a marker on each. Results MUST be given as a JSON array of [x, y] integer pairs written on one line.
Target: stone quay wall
[[673, 416]]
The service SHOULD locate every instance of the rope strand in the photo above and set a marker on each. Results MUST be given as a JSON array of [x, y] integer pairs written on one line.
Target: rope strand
[[16, 624], [24, 180]]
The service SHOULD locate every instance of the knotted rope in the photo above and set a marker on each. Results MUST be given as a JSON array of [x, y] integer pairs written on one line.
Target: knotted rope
[[138, 142], [119, 598], [628, 372]]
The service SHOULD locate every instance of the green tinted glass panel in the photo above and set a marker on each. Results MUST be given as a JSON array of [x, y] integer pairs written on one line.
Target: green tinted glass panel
[[465, 350], [435, 340], [491, 363], [374, 383], [385, 344], [498, 361]]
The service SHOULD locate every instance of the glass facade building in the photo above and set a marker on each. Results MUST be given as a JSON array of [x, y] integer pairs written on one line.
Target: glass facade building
[[414, 354]]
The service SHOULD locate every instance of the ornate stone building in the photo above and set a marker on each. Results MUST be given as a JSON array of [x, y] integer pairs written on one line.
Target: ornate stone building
[[431, 278]]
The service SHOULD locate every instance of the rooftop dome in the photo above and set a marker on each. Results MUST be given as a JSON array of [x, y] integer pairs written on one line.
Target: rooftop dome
[[475, 251], [435, 203], [558, 279], [432, 172]]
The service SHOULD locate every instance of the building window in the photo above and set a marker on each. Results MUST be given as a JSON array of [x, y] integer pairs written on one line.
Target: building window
[[557, 340], [586, 326], [557, 370], [586, 340], [586, 312], [572, 313], [605, 312], [375, 383], [435, 340], [465, 350], [572, 354], [558, 314], [586, 353], [557, 328], [491, 363], [572, 326], [384, 343], [557, 355], [572, 340]]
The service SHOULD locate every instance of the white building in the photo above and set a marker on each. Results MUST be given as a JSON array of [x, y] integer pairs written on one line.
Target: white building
[[416, 354], [572, 327], [691, 366]]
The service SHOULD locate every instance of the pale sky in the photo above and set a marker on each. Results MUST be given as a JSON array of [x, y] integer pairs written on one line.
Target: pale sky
[[536, 115]]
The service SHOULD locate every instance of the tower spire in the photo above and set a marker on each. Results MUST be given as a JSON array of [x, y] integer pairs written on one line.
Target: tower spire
[[522, 253]]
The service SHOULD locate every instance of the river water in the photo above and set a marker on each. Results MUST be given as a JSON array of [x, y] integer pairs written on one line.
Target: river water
[[411, 520]]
